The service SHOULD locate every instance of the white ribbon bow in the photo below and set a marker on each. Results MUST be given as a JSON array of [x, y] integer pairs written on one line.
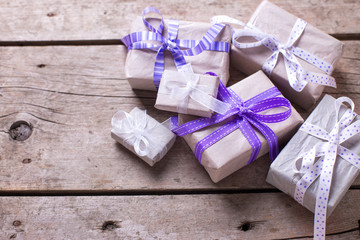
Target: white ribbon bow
[[186, 87], [323, 167], [298, 77], [136, 131]]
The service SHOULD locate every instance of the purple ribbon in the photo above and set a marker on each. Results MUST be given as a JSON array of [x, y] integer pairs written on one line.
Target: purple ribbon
[[243, 115], [138, 40]]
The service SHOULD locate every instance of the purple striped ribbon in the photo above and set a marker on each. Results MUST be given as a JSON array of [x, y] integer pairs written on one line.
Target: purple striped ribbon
[[138, 40], [243, 115]]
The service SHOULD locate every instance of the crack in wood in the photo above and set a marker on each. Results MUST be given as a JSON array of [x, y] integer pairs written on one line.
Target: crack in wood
[[46, 120], [329, 234], [350, 58], [35, 105], [76, 94], [6, 115]]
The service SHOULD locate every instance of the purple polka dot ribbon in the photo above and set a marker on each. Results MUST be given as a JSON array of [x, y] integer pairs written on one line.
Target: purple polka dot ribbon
[[242, 115], [322, 169], [178, 47], [298, 76]]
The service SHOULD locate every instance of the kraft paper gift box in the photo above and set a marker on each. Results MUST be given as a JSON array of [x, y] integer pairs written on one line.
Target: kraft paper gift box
[[139, 66], [207, 84], [233, 151], [136, 127], [284, 174], [272, 20]]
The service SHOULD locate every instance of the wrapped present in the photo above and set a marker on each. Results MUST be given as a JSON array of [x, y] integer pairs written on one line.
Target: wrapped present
[[308, 54], [318, 171], [142, 135], [171, 45], [255, 123], [189, 93]]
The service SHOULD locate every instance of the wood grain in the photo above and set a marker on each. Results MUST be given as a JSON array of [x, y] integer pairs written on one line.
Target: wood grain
[[69, 94], [64, 20], [219, 216]]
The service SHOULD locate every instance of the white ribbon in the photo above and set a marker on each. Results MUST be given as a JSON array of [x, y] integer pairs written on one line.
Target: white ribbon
[[186, 87], [136, 131], [298, 77], [323, 167]]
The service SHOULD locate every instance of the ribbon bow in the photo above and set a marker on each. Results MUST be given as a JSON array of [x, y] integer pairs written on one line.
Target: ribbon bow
[[323, 167], [187, 86], [138, 40], [243, 115], [298, 77], [136, 130]]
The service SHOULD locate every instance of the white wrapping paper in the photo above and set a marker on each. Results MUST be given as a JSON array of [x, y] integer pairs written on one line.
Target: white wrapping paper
[[284, 175]]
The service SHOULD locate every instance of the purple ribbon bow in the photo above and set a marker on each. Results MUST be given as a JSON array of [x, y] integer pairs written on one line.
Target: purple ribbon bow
[[243, 115], [138, 40]]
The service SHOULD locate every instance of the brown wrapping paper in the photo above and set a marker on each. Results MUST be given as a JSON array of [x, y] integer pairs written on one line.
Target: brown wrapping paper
[[139, 66], [233, 151], [162, 133], [284, 176], [275, 21], [165, 102]]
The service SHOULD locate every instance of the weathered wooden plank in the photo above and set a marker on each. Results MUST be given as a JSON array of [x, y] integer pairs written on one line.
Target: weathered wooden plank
[[87, 20], [69, 94], [234, 216]]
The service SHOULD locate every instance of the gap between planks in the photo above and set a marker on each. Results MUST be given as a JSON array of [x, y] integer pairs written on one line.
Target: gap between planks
[[135, 192], [339, 36]]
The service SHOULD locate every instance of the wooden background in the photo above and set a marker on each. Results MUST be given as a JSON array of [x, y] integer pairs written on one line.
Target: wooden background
[[62, 71]]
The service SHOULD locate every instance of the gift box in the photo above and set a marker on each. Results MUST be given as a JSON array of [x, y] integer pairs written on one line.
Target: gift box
[[234, 150], [142, 134], [176, 94], [284, 172], [140, 62], [316, 52]]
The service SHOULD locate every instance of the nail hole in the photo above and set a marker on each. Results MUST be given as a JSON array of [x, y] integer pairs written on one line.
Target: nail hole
[[41, 65], [20, 130], [26, 160], [16, 223], [109, 225], [51, 14], [246, 226]]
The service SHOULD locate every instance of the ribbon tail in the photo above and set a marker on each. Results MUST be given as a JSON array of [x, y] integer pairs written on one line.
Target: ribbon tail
[[213, 138], [209, 101], [270, 137], [293, 67], [270, 63], [159, 67], [251, 137], [318, 78], [323, 194]]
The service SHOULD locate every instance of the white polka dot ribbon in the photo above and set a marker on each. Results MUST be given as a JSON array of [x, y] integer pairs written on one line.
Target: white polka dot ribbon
[[318, 163], [298, 76]]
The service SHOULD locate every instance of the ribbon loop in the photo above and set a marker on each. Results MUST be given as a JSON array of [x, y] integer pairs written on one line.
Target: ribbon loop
[[148, 25], [245, 118], [137, 40], [135, 130], [323, 167]]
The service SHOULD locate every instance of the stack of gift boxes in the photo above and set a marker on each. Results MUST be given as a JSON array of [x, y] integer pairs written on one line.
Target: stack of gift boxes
[[287, 60]]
